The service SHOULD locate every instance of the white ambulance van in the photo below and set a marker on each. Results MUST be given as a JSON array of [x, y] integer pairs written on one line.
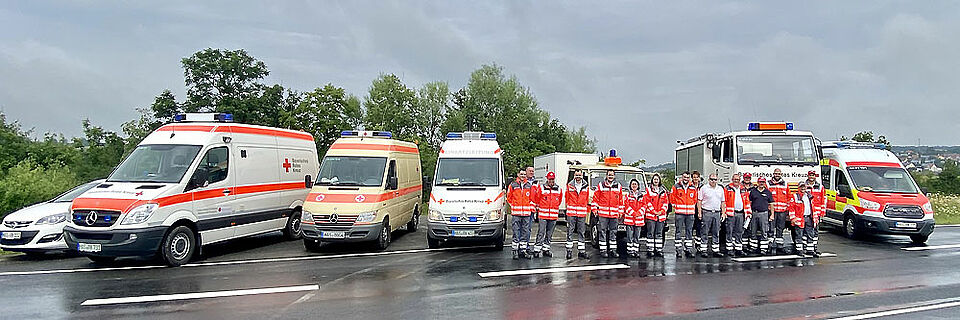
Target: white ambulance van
[[466, 202], [199, 180], [369, 186], [869, 191]]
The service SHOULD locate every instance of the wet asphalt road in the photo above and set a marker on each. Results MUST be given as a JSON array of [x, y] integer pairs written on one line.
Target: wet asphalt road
[[409, 281]]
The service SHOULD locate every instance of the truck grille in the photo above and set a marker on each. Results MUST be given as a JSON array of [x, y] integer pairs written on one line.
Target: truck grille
[[900, 211], [334, 220], [95, 218], [16, 224]]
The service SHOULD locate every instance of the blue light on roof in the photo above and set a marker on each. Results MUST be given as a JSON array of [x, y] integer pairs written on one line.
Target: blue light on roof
[[789, 125], [385, 134], [179, 117], [225, 117], [753, 126], [613, 153], [349, 133], [455, 135], [488, 135]]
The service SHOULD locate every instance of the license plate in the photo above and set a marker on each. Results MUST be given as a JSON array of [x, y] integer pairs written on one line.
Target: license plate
[[88, 247], [906, 224], [11, 235], [622, 228], [333, 234], [464, 233]]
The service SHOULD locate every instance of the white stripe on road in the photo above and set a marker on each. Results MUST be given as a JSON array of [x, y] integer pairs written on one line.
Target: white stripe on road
[[782, 257], [900, 311], [943, 246], [234, 262], [551, 270], [198, 295]]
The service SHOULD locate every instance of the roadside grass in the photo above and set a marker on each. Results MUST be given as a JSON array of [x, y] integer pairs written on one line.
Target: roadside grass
[[5, 252], [946, 208]]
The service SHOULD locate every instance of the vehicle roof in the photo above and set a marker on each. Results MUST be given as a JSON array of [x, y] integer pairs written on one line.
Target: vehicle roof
[[703, 138], [860, 156], [470, 148], [365, 146], [204, 132], [601, 166]]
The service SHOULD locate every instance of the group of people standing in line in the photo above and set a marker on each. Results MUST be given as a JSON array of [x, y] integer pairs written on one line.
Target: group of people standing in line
[[762, 209]]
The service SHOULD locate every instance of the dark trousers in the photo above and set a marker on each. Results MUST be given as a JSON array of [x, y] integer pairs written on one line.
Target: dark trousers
[[575, 229], [735, 232], [758, 231], [521, 232], [544, 235], [655, 235], [779, 223], [710, 230], [683, 239], [608, 233]]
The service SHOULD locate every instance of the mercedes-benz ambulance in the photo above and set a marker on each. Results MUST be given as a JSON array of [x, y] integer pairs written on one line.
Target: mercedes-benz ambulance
[[369, 186], [869, 191], [200, 180], [468, 194]]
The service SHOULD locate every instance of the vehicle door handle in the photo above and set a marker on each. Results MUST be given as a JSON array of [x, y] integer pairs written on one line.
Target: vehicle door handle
[[226, 191], [396, 193]]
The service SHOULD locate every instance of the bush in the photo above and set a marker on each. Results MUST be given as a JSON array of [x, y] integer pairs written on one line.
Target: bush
[[28, 182], [946, 208]]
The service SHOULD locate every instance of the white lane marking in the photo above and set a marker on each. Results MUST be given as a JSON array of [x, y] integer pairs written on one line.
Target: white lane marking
[[943, 246], [198, 295], [234, 262], [782, 257], [900, 311], [551, 270]]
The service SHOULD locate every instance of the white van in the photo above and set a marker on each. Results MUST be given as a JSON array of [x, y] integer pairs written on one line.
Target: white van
[[200, 180], [466, 202]]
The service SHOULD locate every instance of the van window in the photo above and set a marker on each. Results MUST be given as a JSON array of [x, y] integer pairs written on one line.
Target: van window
[[825, 177], [843, 187], [216, 162], [468, 172], [352, 171], [726, 149], [392, 171], [161, 163]]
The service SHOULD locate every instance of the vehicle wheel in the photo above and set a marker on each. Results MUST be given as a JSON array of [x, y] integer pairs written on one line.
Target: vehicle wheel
[[850, 228], [293, 229], [594, 232], [919, 238], [498, 243], [178, 246], [102, 260], [384, 239], [433, 243], [311, 245], [414, 220]]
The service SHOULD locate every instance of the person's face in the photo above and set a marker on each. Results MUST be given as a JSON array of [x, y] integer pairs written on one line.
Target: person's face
[[611, 176], [634, 185], [656, 180], [811, 177], [761, 185], [529, 172], [746, 180], [736, 178], [713, 181], [777, 174], [695, 178], [685, 178], [521, 175], [578, 176], [551, 181]]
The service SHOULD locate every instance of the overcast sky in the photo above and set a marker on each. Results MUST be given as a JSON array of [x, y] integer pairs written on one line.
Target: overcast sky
[[638, 75]]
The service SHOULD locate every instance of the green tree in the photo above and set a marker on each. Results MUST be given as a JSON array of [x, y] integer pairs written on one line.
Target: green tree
[[28, 182], [99, 152], [580, 142], [868, 136], [223, 81], [391, 106], [324, 112]]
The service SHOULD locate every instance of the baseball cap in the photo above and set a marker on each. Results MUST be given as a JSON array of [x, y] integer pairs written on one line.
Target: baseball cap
[[551, 175], [747, 175], [761, 179], [811, 172]]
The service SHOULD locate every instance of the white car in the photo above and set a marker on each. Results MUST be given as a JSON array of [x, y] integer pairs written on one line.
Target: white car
[[39, 228]]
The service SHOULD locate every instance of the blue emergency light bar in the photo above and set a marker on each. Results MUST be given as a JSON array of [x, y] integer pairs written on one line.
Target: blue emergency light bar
[[455, 135], [471, 136], [203, 117], [769, 126], [613, 152], [373, 134], [861, 145]]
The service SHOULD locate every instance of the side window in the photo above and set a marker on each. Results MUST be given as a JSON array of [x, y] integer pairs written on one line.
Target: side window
[[216, 162], [825, 177], [726, 147], [392, 170], [843, 187]]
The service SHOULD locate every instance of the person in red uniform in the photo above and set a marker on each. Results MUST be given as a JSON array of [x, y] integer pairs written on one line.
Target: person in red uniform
[[521, 207], [737, 208], [548, 209], [811, 227], [683, 199], [577, 198], [633, 216], [781, 196], [608, 204], [657, 200]]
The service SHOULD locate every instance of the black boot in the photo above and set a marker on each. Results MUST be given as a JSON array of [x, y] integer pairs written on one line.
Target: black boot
[[603, 253], [536, 254], [679, 253], [569, 254], [815, 254], [649, 254], [658, 254], [583, 255], [515, 257], [613, 253], [547, 254]]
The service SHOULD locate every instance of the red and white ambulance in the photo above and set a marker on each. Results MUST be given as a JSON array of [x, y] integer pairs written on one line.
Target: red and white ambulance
[[199, 180]]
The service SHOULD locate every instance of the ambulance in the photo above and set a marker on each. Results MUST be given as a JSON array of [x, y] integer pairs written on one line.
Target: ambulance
[[200, 180], [369, 186], [469, 190], [868, 191]]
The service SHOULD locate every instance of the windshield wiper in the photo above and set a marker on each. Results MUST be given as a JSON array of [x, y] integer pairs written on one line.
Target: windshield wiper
[[447, 184], [470, 184]]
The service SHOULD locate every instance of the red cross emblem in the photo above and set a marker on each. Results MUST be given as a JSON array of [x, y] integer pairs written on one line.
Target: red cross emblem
[[360, 198], [320, 197], [286, 164], [488, 201], [140, 193], [440, 201]]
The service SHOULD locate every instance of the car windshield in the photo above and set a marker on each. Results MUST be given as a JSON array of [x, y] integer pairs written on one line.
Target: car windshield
[[623, 177], [882, 179], [161, 163], [73, 193], [776, 149], [352, 171], [468, 172]]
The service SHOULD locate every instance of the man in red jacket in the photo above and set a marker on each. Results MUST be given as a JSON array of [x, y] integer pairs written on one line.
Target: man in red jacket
[[548, 209], [608, 204], [577, 199], [781, 196], [737, 208], [521, 207], [683, 198]]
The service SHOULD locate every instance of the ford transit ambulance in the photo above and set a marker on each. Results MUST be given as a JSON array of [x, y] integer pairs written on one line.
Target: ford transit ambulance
[[466, 202], [369, 186], [869, 191], [197, 181]]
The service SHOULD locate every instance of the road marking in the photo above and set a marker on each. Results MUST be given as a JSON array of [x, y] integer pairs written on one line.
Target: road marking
[[782, 257], [901, 311], [198, 295], [235, 262], [551, 270], [943, 246]]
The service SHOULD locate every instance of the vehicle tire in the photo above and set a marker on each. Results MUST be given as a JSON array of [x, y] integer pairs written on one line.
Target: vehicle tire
[[919, 238], [594, 231], [311, 245], [850, 228], [383, 240], [102, 260], [414, 220], [178, 246], [433, 243], [293, 231], [498, 243]]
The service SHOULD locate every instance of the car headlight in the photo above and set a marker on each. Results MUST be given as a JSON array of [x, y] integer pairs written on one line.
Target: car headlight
[[140, 214], [53, 219], [494, 215], [366, 217], [306, 216], [435, 215], [869, 205], [927, 207]]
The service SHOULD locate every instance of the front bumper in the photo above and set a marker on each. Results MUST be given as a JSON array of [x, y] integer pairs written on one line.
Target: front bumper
[[483, 231], [355, 233], [33, 239], [117, 243], [889, 226]]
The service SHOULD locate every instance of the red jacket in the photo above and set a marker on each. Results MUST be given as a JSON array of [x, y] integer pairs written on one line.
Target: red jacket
[[817, 204], [520, 198], [781, 194], [656, 201], [578, 201], [608, 199], [684, 199], [548, 202], [729, 199], [633, 208]]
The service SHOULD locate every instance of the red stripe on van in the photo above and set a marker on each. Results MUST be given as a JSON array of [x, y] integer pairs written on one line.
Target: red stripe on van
[[873, 164], [834, 163], [171, 127], [377, 147], [265, 132], [360, 198], [124, 205]]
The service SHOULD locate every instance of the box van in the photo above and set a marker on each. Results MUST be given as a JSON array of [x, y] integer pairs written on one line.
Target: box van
[[869, 191], [200, 180], [369, 186], [466, 201]]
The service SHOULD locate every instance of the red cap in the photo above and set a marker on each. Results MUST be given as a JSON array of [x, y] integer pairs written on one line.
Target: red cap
[[747, 175], [551, 175], [761, 179], [811, 172]]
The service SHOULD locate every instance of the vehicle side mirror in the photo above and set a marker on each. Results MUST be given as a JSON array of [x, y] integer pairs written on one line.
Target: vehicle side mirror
[[392, 183], [199, 178], [844, 191], [308, 181]]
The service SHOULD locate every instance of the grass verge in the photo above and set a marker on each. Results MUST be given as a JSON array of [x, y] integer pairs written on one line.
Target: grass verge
[[946, 208]]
